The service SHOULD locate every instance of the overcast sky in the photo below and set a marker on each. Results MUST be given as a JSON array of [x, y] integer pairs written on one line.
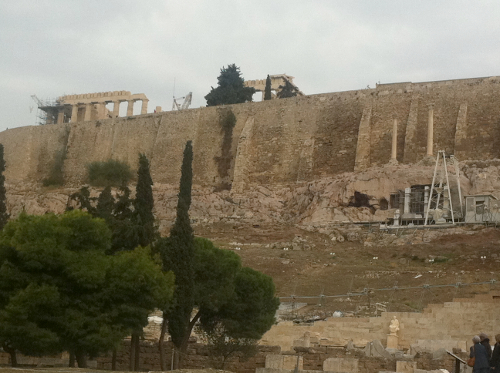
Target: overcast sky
[[56, 47]]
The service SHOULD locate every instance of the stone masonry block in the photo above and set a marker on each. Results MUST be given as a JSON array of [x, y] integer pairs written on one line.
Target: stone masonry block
[[283, 362], [406, 366], [347, 365]]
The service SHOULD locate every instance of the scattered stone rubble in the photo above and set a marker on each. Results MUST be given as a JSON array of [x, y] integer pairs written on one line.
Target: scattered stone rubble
[[349, 359]]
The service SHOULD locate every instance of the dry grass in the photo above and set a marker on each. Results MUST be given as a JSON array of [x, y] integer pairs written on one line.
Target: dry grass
[[352, 269]]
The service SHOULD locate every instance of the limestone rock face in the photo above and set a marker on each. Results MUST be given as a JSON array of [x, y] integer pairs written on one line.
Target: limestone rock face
[[313, 205]]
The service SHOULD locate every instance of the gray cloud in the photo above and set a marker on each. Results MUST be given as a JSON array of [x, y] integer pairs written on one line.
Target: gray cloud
[[56, 47]]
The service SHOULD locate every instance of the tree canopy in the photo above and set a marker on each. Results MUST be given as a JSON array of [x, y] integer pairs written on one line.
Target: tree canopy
[[227, 296], [230, 88], [118, 214], [109, 173], [60, 291], [131, 220], [287, 90]]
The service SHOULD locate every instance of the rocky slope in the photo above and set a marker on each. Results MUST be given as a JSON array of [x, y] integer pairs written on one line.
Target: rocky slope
[[298, 234], [314, 205]]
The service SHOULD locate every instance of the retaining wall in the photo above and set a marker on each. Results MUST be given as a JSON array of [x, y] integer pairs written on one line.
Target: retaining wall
[[276, 141]]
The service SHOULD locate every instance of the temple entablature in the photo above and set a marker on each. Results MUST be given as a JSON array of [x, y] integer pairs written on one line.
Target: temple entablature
[[92, 106]]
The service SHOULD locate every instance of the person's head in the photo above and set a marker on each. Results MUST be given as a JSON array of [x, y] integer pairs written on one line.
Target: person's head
[[476, 339], [497, 338], [483, 336]]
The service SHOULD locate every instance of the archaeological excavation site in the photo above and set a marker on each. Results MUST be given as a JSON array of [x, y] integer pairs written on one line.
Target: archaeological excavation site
[[376, 212]]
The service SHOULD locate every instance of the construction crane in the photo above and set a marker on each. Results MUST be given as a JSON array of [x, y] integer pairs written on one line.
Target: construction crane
[[37, 100], [185, 104], [40, 115]]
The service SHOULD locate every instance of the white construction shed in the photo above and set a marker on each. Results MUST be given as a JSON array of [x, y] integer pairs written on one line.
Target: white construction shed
[[482, 208]]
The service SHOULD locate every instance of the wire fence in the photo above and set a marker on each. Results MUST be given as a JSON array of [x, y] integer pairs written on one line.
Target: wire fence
[[367, 291]]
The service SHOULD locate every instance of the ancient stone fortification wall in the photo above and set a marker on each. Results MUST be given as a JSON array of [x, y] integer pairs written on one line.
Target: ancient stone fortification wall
[[277, 141]]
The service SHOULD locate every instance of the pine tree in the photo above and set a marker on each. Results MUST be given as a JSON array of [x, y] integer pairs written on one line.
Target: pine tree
[[230, 89], [287, 90], [267, 90], [4, 217], [144, 203], [178, 255], [90, 303]]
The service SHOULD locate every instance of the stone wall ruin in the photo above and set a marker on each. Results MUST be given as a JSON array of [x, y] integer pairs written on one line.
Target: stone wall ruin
[[92, 106], [278, 142]]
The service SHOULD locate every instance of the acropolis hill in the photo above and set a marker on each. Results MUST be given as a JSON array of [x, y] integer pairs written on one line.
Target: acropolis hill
[[279, 193], [295, 160]]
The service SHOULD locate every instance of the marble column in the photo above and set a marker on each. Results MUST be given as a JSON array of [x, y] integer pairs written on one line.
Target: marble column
[[116, 109], [394, 140], [60, 115], [430, 130], [88, 112], [144, 107], [130, 108], [50, 117], [74, 113], [407, 201], [101, 108]]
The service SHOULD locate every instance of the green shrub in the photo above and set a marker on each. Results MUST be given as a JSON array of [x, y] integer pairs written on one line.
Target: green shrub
[[441, 259], [109, 173], [56, 175]]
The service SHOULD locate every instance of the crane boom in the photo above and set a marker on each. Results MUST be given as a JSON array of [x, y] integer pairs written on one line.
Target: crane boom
[[185, 104], [37, 100]]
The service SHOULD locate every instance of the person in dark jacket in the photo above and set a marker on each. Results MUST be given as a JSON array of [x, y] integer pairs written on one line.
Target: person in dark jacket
[[481, 365], [495, 356], [485, 341]]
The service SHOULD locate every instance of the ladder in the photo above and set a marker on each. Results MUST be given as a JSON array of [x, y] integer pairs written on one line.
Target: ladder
[[440, 196]]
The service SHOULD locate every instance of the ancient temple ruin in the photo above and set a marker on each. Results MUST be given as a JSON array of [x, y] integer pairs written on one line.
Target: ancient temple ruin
[[276, 82], [90, 106]]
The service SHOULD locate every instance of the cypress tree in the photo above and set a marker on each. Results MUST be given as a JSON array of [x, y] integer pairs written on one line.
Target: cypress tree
[[267, 90], [178, 255], [144, 203], [4, 217], [143, 223]]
